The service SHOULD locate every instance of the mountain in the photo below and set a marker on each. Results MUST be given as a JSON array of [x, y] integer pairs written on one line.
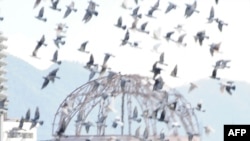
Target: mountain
[[24, 91]]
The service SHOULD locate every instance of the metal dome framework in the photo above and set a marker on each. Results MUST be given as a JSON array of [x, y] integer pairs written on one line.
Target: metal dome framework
[[98, 92]]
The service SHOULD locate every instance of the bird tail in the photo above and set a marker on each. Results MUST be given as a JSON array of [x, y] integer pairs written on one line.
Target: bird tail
[[57, 77], [41, 122], [59, 62], [139, 16], [124, 27], [45, 19], [75, 10], [233, 87], [96, 13]]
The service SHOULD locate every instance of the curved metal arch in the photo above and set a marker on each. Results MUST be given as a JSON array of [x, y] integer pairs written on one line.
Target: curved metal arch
[[99, 92]]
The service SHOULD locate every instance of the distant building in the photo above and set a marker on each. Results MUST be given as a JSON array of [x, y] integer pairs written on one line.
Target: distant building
[[9, 128]]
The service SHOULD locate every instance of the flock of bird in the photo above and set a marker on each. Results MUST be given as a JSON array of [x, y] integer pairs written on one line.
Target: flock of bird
[[93, 67]]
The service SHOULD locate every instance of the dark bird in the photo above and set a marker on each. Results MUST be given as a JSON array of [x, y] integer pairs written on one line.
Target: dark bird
[[40, 15], [90, 11], [35, 120], [200, 36], [199, 107], [214, 74], [156, 70], [88, 125], [50, 77], [222, 64], [40, 43], [174, 71], [135, 115], [150, 12], [27, 115], [54, 5], [211, 15], [59, 41], [143, 28], [135, 13], [35, 123], [158, 85], [170, 7], [90, 62], [214, 47], [106, 58], [37, 2], [125, 39], [70, 8], [119, 23], [220, 24], [55, 58], [161, 60], [190, 9], [168, 35], [229, 86], [162, 116], [83, 47]]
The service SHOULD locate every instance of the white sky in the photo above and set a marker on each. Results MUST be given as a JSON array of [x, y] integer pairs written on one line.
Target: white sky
[[194, 62]]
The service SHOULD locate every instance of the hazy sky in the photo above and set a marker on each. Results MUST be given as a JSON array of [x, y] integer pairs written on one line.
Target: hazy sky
[[194, 62], [24, 30]]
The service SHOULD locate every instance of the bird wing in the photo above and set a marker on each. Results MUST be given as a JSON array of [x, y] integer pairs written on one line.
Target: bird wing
[[37, 114], [27, 116], [143, 26], [45, 83], [135, 112], [228, 89], [211, 13], [41, 11], [67, 12], [220, 26], [53, 72], [174, 71], [135, 11], [55, 56], [20, 126], [214, 73], [91, 59], [36, 3], [180, 39], [161, 58], [119, 22], [192, 87]]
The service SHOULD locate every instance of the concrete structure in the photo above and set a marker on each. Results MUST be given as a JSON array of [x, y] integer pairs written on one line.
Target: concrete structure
[[9, 128]]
